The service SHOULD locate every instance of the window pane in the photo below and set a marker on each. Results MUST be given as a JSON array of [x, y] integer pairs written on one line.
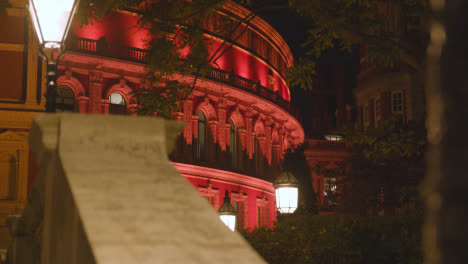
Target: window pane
[[65, 101], [397, 102]]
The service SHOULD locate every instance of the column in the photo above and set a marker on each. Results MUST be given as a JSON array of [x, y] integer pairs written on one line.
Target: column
[[213, 126], [222, 125], [105, 106], [211, 144], [188, 109], [268, 130], [95, 91], [83, 102], [242, 133], [249, 134], [276, 153]]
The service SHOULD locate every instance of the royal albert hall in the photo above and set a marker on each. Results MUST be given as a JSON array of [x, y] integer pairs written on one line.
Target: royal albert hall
[[238, 119]]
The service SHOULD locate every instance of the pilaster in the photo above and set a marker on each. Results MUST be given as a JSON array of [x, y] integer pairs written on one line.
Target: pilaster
[[194, 122], [213, 125], [105, 106], [268, 131], [222, 125], [83, 104], [95, 91], [249, 134], [188, 109], [242, 133]]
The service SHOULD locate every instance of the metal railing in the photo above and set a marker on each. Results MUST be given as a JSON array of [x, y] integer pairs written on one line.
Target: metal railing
[[107, 49]]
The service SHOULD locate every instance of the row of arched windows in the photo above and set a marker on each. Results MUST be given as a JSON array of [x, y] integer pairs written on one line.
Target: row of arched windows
[[65, 101], [234, 142]]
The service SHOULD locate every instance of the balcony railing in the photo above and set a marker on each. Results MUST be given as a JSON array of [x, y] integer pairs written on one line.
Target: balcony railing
[[106, 49]]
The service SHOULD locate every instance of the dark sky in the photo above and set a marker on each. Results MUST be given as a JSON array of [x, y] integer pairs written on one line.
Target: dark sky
[[293, 28]]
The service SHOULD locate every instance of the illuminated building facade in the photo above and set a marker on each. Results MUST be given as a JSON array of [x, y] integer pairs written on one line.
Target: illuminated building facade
[[238, 120]]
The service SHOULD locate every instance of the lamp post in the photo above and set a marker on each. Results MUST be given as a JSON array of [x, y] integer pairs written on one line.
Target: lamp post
[[286, 187], [227, 212], [52, 20]]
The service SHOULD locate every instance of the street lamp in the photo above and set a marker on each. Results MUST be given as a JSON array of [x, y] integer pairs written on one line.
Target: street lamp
[[52, 20], [286, 193], [227, 212]]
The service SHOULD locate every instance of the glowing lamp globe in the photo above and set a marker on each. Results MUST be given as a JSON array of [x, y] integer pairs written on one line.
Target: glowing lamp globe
[[227, 212], [286, 187], [52, 20]]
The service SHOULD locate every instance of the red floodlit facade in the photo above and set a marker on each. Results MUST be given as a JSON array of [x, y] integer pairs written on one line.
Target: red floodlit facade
[[238, 120]]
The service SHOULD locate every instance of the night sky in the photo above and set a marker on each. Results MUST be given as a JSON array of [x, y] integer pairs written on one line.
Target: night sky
[[293, 29]]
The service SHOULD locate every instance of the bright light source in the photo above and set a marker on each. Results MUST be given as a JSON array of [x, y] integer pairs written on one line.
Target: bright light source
[[229, 221], [286, 199], [116, 98], [333, 137], [52, 19], [227, 212], [286, 193]]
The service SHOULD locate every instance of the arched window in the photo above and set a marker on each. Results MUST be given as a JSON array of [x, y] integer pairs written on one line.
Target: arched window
[[117, 104], [201, 145], [233, 144], [65, 101]]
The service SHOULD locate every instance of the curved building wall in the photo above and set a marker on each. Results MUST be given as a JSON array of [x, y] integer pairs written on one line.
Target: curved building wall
[[237, 94], [238, 120], [259, 54]]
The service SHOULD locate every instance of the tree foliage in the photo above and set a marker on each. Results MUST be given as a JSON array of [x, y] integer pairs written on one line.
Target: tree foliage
[[385, 170], [175, 42], [390, 31], [340, 239]]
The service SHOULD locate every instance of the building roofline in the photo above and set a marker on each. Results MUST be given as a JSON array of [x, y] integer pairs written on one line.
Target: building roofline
[[236, 10]]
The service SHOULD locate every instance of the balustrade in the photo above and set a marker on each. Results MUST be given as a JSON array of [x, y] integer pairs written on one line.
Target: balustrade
[[103, 48]]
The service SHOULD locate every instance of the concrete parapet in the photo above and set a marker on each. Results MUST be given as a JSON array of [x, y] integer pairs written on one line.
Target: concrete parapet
[[107, 193]]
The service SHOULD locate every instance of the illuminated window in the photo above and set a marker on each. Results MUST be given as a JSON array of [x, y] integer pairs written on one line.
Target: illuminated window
[[365, 116], [377, 111], [233, 144], [329, 191], [334, 137], [201, 145], [397, 102], [65, 101], [117, 105]]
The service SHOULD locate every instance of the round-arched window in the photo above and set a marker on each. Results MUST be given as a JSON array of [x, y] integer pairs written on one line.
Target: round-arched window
[[117, 104], [65, 100]]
